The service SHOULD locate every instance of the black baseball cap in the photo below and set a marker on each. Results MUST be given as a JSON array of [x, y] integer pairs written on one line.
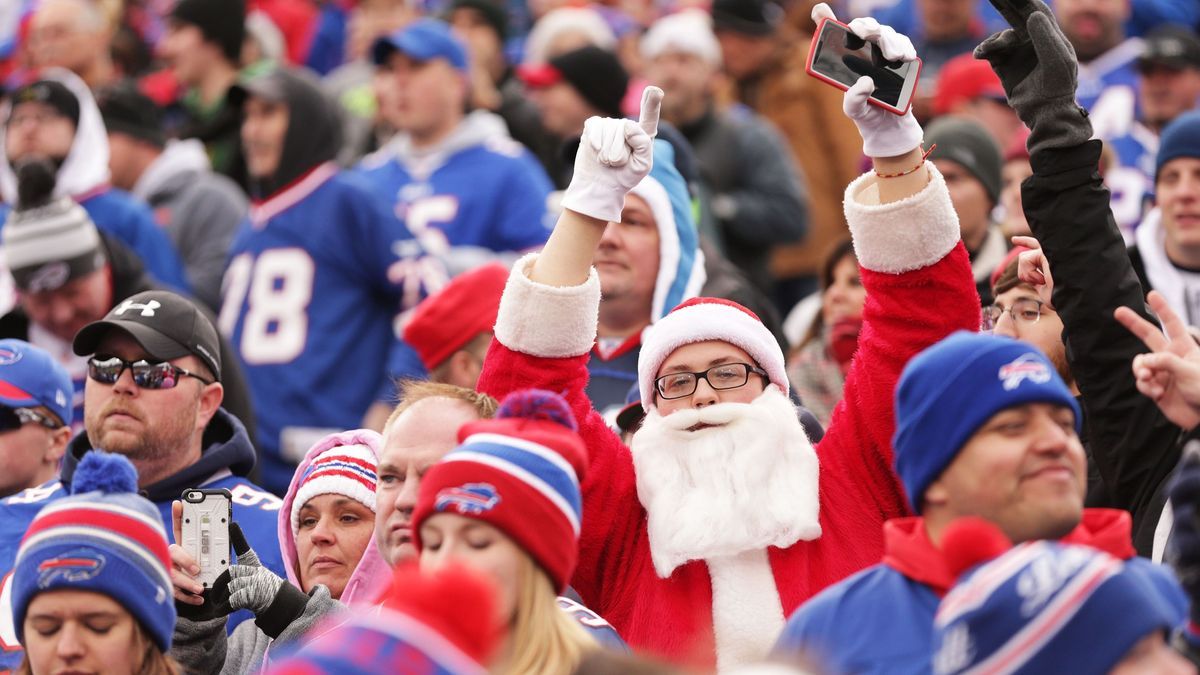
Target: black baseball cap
[[166, 325], [1170, 45], [52, 93], [748, 17], [597, 74]]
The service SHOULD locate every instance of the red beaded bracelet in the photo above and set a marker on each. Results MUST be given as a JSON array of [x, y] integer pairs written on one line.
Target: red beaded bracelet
[[905, 173]]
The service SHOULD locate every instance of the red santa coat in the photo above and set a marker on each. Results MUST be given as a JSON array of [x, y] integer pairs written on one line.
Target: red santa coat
[[919, 289]]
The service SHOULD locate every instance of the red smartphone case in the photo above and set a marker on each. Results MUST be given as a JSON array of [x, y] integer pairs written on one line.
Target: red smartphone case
[[812, 51]]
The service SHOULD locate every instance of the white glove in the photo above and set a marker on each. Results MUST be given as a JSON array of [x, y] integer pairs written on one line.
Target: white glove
[[614, 156], [884, 134]]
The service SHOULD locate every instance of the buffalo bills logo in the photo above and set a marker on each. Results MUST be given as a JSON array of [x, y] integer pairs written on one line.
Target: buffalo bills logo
[[71, 567], [9, 356], [1025, 367], [472, 498]]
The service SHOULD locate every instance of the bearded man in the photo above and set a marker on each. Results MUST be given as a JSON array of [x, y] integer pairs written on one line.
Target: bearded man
[[721, 518]]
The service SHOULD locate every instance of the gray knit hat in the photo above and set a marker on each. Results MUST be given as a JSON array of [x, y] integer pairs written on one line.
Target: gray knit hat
[[48, 241], [965, 141]]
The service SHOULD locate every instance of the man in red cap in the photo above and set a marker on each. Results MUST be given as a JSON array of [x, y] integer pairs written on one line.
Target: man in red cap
[[452, 330], [968, 87], [699, 538]]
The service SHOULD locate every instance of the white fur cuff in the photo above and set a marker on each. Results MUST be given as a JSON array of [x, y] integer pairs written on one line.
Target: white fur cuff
[[547, 321], [901, 236]]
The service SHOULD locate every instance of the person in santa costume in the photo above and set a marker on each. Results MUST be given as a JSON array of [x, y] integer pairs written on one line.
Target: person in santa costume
[[720, 518]]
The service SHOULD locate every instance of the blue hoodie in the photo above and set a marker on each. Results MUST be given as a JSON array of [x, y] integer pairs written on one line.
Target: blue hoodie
[[680, 276]]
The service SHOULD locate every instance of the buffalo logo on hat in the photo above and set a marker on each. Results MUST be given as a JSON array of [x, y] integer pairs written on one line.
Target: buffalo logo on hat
[[9, 356], [1024, 367], [472, 498], [1046, 575], [49, 277], [72, 567]]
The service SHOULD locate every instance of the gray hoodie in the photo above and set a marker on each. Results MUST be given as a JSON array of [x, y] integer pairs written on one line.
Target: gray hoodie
[[200, 210]]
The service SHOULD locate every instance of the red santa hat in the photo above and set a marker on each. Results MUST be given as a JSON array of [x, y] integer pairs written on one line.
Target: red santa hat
[[700, 320]]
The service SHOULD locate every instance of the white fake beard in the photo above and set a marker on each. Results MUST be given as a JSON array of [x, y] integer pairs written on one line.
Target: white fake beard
[[747, 484]]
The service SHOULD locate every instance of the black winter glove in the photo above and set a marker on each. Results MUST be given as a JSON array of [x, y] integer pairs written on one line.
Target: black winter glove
[[216, 602], [1039, 71], [1183, 551]]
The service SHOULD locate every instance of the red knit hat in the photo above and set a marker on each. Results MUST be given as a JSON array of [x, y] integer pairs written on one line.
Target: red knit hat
[[446, 321], [440, 622], [702, 319], [520, 473]]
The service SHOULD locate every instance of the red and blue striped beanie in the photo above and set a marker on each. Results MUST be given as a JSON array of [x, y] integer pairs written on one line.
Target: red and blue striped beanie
[[520, 473], [104, 538]]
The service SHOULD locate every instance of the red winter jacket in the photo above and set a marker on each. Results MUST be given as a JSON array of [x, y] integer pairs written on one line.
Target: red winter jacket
[[904, 313]]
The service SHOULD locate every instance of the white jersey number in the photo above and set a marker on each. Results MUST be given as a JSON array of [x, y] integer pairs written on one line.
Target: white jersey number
[[276, 289]]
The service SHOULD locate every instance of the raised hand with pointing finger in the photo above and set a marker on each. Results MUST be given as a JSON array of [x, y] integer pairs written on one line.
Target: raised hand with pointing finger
[[614, 155]]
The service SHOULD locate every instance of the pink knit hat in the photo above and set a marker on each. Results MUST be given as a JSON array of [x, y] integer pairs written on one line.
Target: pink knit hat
[[700, 320]]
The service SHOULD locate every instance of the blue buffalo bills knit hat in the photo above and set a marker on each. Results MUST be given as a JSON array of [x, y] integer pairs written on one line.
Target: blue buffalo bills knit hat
[[1180, 138], [1045, 607], [949, 390], [422, 40], [104, 538], [30, 377]]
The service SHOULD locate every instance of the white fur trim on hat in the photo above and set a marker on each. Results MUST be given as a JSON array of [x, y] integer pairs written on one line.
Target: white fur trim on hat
[[707, 319], [905, 235], [344, 470], [547, 321]]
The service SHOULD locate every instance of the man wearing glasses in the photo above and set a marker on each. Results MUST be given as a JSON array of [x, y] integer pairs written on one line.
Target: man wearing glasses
[[154, 394], [721, 517], [1022, 313], [35, 417]]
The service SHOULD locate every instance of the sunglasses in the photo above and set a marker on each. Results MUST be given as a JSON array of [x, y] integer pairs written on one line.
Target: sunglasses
[[12, 419], [146, 375]]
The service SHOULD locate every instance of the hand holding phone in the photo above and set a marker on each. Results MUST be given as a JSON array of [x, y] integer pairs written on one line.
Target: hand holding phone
[[886, 133], [205, 531], [842, 54]]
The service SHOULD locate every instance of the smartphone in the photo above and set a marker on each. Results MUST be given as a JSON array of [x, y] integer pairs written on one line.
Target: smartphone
[[206, 517], [839, 57]]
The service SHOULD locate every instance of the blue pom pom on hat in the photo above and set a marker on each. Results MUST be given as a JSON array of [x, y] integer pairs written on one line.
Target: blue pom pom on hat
[[103, 538], [952, 388]]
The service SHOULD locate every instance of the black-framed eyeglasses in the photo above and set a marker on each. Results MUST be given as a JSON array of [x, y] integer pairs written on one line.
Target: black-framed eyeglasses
[[12, 419], [1024, 311], [724, 376], [146, 375]]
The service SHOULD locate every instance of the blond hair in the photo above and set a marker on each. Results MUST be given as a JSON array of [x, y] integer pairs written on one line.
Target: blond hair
[[545, 639], [412, 391]]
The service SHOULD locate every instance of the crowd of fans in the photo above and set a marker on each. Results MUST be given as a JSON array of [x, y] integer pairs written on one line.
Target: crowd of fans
[[543, 337]]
